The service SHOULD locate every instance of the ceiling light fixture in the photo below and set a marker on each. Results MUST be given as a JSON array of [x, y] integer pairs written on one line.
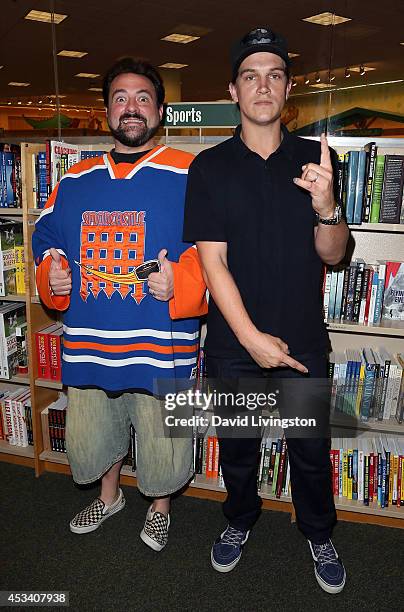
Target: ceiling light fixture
[[95, 89], [45, 17], [294, 82], [347, 73], [362, 70], [306, 80], [332, 77], [18, 84], [87, 75], [326, 19], [292, 55], [362, 67], [318, 78], [173, 65], [79, 54], [182, 39]]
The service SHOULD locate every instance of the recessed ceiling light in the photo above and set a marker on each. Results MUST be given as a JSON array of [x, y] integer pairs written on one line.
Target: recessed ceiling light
[[1, 67], [359, 68], [19, 102], [180, 38], [322, 85], [318, 78], [65, 53], [17, 84], [306, 80], [326, 19], [9, 103], [95, 89], [172, 65], [100, 99], [87, 75], [45, 17], [293, 55], [402, 43]]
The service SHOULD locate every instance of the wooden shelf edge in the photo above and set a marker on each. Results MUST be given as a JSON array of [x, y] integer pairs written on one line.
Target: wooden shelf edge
[[14, 297], [377, 227], [17, 460], [376, 330], [49, 384], [20, 451]]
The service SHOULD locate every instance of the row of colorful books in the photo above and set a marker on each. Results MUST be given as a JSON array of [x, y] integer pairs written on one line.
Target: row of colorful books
[[13, 340], [48, 346], [367, 383], [369, 470], [363, 469], [50, 165], [364, 293], [16, 417], [10, 176], [12, 260], [371, 186]]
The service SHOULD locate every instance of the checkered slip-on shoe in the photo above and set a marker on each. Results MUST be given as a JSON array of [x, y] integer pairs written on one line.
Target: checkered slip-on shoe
[[155, 530], [96, 513]]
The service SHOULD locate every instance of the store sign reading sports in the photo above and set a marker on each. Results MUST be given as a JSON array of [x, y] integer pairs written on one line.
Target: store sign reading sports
[[201, 115]]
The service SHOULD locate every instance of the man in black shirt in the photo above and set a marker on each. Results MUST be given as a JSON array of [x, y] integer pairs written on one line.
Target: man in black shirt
[[262, 212]]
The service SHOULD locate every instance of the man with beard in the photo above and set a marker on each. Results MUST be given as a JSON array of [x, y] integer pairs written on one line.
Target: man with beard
[[94, 246]]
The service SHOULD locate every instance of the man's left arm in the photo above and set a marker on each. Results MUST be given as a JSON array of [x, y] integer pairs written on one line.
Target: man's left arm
[[330, 240], [181, 284]]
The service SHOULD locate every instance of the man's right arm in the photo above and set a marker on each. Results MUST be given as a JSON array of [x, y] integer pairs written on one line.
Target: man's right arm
[[266, 350], [53, 276]]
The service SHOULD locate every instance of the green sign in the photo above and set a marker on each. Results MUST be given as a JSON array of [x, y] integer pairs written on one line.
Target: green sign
[[201, 115]]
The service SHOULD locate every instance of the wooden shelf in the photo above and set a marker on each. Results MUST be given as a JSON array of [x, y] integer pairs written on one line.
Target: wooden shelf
[[35, 211], [386, 328], [49, 384], [373, 509], [13, 298], [35, 299], [378, 227], [15, 380], [54, 457], [352, 422], [10, 212], [21, 451]]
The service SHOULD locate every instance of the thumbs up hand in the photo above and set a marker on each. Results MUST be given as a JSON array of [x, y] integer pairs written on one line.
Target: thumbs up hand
[[60, 281], [161, 284]]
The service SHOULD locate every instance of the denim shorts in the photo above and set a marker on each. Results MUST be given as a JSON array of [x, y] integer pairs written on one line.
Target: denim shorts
[[98, 436]]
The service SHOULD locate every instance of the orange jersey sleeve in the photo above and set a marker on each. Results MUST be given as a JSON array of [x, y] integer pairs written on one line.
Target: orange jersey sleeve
[[55, 302], [189, 298]]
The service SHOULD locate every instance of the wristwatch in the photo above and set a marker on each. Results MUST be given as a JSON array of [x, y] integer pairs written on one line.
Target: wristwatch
[[334, 220]]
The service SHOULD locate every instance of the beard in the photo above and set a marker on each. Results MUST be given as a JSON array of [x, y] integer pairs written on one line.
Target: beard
[[133, 137]]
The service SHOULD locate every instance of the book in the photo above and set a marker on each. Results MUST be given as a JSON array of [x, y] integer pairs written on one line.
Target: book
[[392, 191], [393, 303], [377, 189]]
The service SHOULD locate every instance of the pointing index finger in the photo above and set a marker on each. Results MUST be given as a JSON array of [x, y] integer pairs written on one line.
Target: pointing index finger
[[325, 159]]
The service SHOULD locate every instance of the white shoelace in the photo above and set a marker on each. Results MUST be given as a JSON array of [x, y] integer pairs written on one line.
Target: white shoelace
[[325, 553], [233, 537]]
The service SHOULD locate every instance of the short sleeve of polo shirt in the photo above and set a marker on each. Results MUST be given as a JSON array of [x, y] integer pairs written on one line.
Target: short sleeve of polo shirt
[[205, 214]]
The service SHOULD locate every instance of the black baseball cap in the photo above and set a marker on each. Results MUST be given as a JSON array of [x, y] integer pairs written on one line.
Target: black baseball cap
[[257, 41]]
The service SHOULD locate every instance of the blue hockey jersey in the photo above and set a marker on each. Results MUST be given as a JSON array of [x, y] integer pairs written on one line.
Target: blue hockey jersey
[[106, 220]]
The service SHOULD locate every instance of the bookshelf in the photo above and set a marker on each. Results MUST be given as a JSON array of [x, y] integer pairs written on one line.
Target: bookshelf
[[369, 241]]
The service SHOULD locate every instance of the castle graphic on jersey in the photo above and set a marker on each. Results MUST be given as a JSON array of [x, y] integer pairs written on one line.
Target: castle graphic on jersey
[[112, 246]]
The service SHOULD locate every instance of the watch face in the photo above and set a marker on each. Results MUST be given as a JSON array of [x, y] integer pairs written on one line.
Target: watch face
[[146, 268]]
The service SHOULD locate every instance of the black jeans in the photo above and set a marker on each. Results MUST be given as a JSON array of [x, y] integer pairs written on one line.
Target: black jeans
[[310, 467]]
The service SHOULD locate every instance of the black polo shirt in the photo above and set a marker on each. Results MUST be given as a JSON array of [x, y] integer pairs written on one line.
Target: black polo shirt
[[236, 196]]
